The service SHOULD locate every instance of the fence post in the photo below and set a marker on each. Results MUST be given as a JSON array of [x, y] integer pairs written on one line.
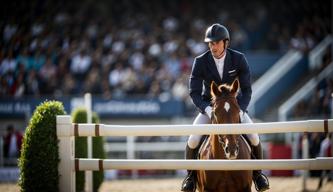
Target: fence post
[[89, 174], [130, 148], [305, 155], [66, 154]]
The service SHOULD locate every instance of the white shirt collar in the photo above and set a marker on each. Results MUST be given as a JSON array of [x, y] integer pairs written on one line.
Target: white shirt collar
[[220, 64], [220, 59]]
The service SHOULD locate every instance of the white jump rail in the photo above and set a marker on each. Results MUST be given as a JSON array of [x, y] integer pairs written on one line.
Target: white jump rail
[[70, 129], [66, 131], [146, 146], [171, 164]]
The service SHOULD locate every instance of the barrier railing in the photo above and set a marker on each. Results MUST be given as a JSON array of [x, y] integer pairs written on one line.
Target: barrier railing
[[66, 131]]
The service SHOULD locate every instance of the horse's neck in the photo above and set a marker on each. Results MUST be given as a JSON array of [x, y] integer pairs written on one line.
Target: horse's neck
[[217, 149]]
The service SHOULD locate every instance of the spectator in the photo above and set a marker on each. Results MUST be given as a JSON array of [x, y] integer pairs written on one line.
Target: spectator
[[92, 82], [32, 84], [69, 87], [47, 75], [12, 142], [19, 86], [326, 147], [80, 64], [115, 76], [8, 64], [180, 89]]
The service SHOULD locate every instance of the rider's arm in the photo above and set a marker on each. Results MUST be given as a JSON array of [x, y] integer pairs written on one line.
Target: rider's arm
[[244, 96], [196, 84]]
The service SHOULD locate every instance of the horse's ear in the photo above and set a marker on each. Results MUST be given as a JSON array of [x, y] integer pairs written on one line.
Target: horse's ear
[[235, 86], [214, 89]]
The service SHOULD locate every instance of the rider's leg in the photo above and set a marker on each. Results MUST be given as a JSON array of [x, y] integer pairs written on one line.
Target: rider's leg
[[193, 145], [259, 179]]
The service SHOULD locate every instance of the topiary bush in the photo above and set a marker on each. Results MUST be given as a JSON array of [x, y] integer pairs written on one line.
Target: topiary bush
[[39, 158], [80, 116]]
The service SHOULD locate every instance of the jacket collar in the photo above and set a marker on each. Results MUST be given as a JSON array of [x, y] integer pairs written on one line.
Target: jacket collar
[[212, 65]]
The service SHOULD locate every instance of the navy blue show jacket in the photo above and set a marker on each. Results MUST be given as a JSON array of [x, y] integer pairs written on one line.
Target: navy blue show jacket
[[204, 71]]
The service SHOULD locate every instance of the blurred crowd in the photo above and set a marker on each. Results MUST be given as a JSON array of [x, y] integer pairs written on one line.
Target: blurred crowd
[[319, 104], [129, 47]]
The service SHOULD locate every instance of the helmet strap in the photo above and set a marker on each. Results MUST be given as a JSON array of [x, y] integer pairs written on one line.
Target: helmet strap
[[226, 45]]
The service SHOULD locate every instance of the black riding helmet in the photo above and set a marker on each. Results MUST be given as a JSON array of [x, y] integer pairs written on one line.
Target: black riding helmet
[[216, 32]]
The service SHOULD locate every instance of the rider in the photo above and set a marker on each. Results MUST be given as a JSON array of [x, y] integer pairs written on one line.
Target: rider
[[222, 65]]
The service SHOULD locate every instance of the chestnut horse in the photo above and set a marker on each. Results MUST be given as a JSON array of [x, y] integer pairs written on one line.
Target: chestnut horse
[[225, 110]]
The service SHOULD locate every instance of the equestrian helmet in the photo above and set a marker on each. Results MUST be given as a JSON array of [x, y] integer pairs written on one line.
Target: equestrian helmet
[[216, 32]]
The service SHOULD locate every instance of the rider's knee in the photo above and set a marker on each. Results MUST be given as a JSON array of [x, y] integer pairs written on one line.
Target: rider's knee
[[194, 141], [254, 139], [245, 118]]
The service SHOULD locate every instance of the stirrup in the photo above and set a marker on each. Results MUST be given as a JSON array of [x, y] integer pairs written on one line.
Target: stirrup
[[265, 187]]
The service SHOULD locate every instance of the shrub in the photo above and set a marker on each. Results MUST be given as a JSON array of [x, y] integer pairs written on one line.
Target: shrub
[[39, 158], [80, 116]]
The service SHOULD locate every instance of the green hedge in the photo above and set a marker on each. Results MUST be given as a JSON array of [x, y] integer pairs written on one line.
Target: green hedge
[[39, 158], [80, 116]]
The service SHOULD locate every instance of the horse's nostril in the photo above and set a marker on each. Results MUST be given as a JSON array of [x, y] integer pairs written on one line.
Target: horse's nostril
[[227, 149], [237, 149]]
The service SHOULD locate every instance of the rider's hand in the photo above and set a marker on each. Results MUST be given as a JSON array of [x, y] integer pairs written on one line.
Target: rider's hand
[[209, 111], [241, 115]]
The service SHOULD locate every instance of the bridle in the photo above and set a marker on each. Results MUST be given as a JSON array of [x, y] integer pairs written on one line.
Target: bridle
[[214, 117]]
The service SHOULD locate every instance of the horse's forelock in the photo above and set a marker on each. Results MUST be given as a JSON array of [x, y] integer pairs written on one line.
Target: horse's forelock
[[225, 89]]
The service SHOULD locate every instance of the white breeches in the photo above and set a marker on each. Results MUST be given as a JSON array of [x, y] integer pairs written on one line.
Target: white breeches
[[194, 140]]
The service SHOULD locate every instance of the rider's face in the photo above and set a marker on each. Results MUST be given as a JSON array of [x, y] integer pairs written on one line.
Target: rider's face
[[217, 48]]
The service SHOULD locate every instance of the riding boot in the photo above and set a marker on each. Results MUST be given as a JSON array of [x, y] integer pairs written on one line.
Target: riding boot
[[189, 183], [260, 180]]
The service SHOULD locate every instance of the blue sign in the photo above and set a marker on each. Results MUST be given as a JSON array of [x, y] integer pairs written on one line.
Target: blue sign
[[103, 107], [23, 107], [138, 108]]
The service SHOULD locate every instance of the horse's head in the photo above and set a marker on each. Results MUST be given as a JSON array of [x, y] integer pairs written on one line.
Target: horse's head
[[226, 110]]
